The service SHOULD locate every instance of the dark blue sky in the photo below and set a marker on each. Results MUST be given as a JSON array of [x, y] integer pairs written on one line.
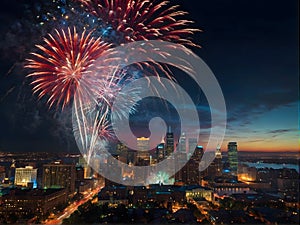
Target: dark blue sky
[[251, 46]]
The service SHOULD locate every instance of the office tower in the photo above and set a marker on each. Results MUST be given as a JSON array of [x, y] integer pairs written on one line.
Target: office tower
[[122, 152], [194, 167], [11, 171], [169, 142], [233, 158], [79, 177], [190, 174], [87, 169], [160, 152], [215, 168], [182, 143], [192, 144], [218, 162], [180, 161], [198, 153], [143, 146], [59, 175], [79, 173], [95, 165], [26, 177], [128, 172], [110, 169]]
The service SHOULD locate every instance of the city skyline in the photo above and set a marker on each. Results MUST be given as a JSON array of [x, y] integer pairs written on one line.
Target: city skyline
[[251, 47], [63, 191]]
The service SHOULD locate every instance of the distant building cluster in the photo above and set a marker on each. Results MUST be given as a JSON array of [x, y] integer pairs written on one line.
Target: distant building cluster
[[229, 189]]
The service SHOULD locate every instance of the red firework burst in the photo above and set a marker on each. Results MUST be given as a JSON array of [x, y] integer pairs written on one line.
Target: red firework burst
[[65, 58], [105, 131], [138, 20]]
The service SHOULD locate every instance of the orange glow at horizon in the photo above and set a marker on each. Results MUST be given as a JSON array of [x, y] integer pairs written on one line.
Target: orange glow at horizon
[[265, 146]]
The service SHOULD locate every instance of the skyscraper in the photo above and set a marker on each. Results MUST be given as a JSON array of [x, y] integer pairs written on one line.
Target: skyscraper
[[25, 176], [190, 174], [143, 145], [218, 160], [182, 143], [215, 167], [122, 152], [180, 160], [143, 159], [233, 158], [193, 143], [198, 153], [59, 175], [87, 169], [160, 152], [11, 171], [169, 142]]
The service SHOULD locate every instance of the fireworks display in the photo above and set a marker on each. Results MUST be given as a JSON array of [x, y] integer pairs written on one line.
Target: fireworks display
[[160, 178], [65, 59], [84, 31], [140, 20], [67, 56]]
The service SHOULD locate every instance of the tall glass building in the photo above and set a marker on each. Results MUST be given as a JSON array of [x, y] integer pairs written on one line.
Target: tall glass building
[[169, 142], [233, 158], [218, 162], [143, 145]]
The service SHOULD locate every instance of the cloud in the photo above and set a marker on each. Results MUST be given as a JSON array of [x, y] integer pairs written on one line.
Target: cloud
[[245, 114], [256, 140], [281, 131]]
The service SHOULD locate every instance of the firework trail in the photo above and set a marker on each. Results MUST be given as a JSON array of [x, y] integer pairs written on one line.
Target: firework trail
[[92, 127]]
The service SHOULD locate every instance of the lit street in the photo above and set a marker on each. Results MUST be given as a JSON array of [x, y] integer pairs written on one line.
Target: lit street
[[58, 219]]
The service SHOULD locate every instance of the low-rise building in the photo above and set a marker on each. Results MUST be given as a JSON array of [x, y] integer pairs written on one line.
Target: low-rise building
[[39, 202]]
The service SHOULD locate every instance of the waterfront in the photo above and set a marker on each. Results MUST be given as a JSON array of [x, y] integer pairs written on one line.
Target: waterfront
[[260, 165]]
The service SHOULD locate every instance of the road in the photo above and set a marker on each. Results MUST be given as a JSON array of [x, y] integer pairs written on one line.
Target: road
[[58, 219], [203, 210]]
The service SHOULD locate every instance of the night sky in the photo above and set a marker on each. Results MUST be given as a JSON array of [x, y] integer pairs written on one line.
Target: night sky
[[251, 46]]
